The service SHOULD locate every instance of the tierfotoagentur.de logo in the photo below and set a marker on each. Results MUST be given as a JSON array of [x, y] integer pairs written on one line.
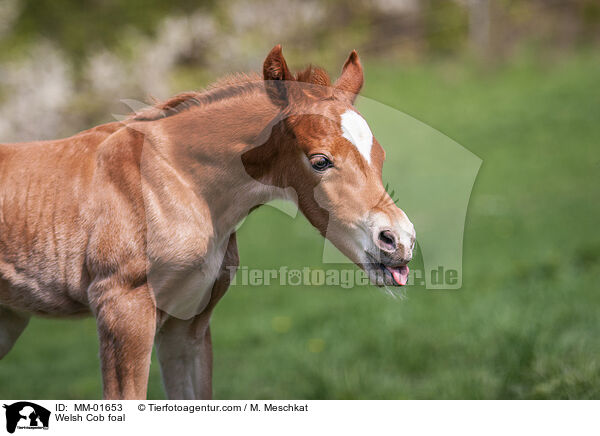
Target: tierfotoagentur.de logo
[[24, 415]]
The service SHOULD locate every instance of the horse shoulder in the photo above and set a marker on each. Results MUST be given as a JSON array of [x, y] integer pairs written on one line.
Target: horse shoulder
[[143, 207]]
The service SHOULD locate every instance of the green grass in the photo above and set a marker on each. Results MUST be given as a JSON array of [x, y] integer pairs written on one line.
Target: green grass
[[525, 323]]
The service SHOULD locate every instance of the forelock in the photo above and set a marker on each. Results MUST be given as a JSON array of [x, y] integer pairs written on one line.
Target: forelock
[[314, 75]]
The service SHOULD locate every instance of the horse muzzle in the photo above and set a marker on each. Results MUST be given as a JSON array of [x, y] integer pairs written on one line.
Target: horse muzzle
[[393, 249]]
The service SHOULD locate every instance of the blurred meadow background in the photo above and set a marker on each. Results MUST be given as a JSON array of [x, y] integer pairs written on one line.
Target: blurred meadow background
[[516, 82]]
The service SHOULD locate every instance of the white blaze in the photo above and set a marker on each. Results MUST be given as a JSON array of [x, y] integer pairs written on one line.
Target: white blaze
[[356, 130]]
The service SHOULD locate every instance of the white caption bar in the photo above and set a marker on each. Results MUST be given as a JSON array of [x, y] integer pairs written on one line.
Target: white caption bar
[[298, 417]]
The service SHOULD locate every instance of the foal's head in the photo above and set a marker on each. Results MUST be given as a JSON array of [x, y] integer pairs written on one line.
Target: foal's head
[[323, 148]]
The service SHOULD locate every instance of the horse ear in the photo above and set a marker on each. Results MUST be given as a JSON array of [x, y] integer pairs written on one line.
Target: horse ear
[[351, 80], [275, 72]]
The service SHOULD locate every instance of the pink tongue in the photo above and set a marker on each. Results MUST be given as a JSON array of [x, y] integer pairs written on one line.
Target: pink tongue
[[400, 275]]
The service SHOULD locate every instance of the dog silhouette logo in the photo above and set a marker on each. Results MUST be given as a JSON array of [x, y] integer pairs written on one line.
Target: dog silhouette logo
[[26, 415]]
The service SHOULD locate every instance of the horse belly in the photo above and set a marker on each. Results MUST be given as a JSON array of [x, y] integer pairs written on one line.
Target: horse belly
[[41, 262], [40, 291]]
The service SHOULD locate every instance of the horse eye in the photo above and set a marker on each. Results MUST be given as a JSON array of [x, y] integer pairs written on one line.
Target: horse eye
[[320, 162]]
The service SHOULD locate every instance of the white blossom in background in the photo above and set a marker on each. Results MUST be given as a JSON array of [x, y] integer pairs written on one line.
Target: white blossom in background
[[275, 18], [9, 10], [107, 74], [40, 99], [177, 37], [397, 6], [257, 26], [36, 92], [146, 73]]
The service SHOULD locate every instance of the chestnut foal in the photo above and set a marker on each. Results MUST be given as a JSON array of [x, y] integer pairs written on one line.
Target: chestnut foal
[[135, 221]]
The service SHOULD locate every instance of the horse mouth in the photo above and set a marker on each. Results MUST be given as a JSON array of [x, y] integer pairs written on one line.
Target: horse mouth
[[398, 273], [390, 275]]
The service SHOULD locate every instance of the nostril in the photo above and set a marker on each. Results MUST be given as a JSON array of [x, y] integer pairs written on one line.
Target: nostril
[[387, 240]]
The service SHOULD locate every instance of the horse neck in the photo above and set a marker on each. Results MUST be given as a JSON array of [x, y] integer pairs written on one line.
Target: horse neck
[[205, 145]]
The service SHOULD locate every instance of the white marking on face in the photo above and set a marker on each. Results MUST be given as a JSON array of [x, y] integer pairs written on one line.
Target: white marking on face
[[356, 130]]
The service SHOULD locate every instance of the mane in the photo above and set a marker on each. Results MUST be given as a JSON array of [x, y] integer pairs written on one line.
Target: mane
[[226, 87], [314, 75]]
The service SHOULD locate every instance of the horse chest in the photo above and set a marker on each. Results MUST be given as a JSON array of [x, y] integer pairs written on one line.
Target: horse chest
[[182, 289]]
